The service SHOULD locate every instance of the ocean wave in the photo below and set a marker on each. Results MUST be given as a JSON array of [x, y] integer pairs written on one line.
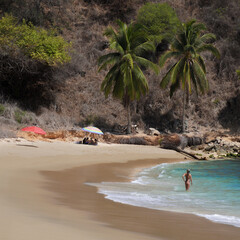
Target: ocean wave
[[230, 220], [132, 200], [161, 188]]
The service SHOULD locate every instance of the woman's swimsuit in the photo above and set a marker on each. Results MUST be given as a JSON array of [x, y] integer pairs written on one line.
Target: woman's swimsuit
[[186, 178]]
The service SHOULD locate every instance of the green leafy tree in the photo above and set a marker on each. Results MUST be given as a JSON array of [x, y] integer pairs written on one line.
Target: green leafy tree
[[29, 56], [160, 20], [125, 79], [34, 42], [189, 68]]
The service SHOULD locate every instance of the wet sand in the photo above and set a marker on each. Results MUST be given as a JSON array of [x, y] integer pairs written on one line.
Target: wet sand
[[43, 195]]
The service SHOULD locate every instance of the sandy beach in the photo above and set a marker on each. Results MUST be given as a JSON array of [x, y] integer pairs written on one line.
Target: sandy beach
[[43, 195]]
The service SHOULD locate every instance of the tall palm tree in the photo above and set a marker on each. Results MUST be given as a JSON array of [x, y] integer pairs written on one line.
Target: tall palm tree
[[189, 68], [125, 79]]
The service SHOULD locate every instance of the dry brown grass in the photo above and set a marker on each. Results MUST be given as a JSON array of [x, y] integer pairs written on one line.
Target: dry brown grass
[[79, 99]]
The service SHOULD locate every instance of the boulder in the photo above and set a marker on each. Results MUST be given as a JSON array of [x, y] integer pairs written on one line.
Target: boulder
[[209, 148], [210, 139], [194, 141], [153, 131]]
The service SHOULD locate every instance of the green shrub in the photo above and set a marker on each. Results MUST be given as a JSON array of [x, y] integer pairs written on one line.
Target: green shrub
[[238, 73], [19, 115], [159, 19], [233, 155], [35, 42], [221, 11], [2, 109]]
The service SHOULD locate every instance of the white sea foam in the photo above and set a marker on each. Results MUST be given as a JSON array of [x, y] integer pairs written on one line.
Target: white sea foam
[[140, 200], [162, 174], [231, 220], [140, 180]]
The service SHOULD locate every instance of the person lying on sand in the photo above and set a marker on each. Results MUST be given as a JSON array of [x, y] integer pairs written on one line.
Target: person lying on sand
[[187, 177]]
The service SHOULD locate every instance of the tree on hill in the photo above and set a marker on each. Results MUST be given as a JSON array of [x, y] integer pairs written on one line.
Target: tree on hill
[[189, 68], [28, 55], [34, 42], [160, 20], [125, 79]]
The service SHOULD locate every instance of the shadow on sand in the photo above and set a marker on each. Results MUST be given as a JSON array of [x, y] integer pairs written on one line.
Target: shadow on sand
[[26, 145]]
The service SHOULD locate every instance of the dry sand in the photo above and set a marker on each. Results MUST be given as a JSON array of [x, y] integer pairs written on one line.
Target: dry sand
[[43, 196]]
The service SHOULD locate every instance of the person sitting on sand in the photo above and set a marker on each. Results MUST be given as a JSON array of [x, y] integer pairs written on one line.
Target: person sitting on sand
[[187, 177], [85, 140], [90, 142]]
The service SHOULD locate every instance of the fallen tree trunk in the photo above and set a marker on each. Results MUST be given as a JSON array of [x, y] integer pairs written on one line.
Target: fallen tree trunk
[[179, 141], [186, 153]]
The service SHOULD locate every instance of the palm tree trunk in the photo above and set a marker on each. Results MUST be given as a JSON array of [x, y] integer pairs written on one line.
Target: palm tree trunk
[[183, 112], [129, 119]]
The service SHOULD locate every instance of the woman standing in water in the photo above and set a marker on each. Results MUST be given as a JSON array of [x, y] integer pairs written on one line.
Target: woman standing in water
[[187, 177]]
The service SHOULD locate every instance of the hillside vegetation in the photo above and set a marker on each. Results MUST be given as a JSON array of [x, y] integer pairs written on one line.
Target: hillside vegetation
[[70, 95]]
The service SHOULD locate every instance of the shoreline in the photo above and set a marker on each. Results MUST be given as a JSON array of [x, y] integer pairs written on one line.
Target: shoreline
[[35, 207], [127, 217]]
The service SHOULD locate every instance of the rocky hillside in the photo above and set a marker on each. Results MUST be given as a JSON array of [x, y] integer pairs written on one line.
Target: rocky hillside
[[74, 97]]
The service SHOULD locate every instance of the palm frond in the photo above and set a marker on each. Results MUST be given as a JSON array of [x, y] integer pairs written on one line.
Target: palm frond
[[114, 69], [128, 79], [118, 89], [143, 47], [128, 58], [174, 87], [188, 78], [109, 82], [121, 24], [108, 59], [147, 63], [116, 47], [140, 82], [184, 75], [208, 37], [167, 78], [138, 74], [110, 33], [192, 76], [189, 23], [198, 27], [200, 76], [201, 63], [178, 70], [192, 38], [190, 48], [167, 55], [209, 48], [179, 42]]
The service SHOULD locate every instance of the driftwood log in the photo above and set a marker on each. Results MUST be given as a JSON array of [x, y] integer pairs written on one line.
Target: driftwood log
[[179, 142], [186, 153]]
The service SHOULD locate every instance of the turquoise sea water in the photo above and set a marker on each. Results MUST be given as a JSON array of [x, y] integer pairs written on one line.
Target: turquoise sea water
[[215, 193]]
